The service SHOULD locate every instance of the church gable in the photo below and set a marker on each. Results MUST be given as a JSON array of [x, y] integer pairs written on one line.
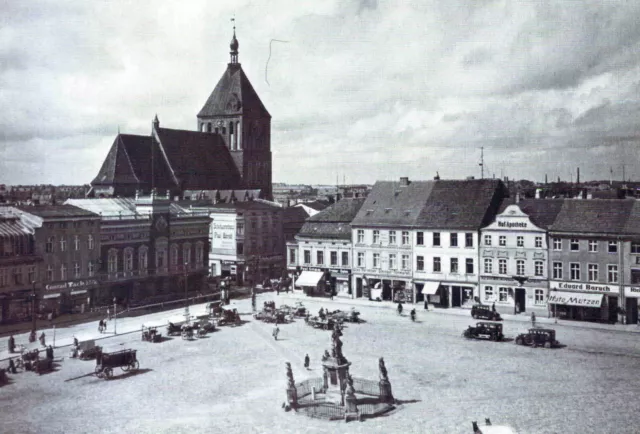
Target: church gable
[[117, 167]]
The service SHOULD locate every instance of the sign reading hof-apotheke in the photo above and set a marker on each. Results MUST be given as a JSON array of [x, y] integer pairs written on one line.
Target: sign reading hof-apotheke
[[585, 287]]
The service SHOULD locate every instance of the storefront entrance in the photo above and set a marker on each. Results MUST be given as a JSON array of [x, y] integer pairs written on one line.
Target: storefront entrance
[[613, 309], [460, 295], [632, 310], [358, 287]]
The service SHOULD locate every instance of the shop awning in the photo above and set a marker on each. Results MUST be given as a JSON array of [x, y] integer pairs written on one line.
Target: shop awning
[[575, 299], [51, 296], [309, 278], [430, 288]]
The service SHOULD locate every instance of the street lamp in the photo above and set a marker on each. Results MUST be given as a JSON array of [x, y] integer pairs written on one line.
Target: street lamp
[[115, 316], [186, 300], [33, 309]]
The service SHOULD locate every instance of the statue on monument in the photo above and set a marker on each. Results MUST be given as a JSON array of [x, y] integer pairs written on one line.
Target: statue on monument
[[383, 370], [290, 383]]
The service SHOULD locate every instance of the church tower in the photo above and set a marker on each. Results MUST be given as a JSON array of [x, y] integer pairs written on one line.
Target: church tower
[[235, 111]]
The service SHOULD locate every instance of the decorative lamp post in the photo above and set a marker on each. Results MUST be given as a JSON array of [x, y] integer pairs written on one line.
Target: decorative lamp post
[[115, 316], [33, 309], [186, 300]]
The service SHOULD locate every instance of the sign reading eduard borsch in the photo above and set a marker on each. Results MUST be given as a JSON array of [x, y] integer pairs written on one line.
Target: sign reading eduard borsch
[[70, 285], [587, 287]]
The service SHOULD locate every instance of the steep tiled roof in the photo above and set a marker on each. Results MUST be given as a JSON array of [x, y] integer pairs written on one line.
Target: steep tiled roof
[[318, 205], [454, 204], [56, 211], [294, 214], [605, 216], [542, 212], [633, 222], [198, 160], [234, 95], [390, 204], [344, 210], [332, 230], [118, 165]]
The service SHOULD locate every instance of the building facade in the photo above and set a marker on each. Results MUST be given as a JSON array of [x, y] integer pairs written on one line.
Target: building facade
[[68, 240], [19, 268], [321, 254], [514, 263]]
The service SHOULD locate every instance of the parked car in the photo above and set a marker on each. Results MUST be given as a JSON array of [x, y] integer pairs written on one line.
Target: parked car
[[482, 311], [538, 337], [485, 330]]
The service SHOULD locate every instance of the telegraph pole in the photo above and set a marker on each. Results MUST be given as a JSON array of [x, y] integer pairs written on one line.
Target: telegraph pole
[[481, 163]]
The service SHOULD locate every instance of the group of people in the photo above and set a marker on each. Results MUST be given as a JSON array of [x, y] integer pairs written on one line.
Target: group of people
[[11, 346], [102, 325]]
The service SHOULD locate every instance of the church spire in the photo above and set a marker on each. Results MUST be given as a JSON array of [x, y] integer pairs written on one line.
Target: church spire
[[234, 44]]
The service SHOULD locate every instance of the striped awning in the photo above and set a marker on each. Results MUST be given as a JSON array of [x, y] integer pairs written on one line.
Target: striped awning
[[13, 229]]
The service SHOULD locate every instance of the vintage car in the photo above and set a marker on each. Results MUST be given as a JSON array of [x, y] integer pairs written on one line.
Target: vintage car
[[482, 311], [538, 337], [485, 330]]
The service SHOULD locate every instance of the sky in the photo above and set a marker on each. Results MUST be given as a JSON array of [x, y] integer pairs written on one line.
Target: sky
[[362, 90]]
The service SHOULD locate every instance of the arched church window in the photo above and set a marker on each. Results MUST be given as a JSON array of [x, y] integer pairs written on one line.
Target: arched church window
[[209, 127], [232, 138], [238, 136]]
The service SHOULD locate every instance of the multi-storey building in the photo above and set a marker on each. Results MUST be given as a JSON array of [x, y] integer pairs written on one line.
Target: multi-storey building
[[247, 241], [68, 240], [19, 264], [322, 251], [446, 268], [588, 240], [514, 268], [150, 246]]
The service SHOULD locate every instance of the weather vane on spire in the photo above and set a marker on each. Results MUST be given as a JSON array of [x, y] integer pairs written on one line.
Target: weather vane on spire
[[234, 43]]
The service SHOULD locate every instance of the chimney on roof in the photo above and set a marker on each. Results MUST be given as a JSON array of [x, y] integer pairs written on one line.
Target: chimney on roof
[[404, 181], [437, 177], [578, 176]]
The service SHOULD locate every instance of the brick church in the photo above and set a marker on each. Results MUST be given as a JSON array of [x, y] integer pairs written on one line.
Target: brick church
[[231, 150]]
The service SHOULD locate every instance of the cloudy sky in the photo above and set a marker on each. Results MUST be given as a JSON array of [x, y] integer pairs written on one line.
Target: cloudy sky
[[363, 90]]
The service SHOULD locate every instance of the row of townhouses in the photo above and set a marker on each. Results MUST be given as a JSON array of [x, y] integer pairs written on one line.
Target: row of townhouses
[[456, 243]]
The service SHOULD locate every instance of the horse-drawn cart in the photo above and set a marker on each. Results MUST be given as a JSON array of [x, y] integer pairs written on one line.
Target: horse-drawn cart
[[230, 316], [107, 362], [150, 334], [324, 324]]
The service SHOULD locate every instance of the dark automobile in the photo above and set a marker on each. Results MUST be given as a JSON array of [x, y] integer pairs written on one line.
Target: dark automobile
[[538, 337], [481, 311], [485, 330]]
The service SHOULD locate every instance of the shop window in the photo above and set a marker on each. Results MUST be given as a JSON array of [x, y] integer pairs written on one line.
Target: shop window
[[320, 257], [557, 270], [360, 234], [487, 240], [392, 262], [405, 262], [437, 266], [469, 266], [593, 272], [376, 260], [502, 266], [454, 265], [292, 256], [392, 237], [405, 238], [613, 247], [488, 265], [575, 271], [635, 276], [574, 245], [376, 236], [420, 239], [557, 244], [539, 296], [520, 241], [488, 293], [613, 273], [503, 294], [345, 259], [593, 245], [538, 242], [361, 259], [538, 268], [307, 257], [453, 239], [420, 263], [468, 239], [520, 267], [334, 258]]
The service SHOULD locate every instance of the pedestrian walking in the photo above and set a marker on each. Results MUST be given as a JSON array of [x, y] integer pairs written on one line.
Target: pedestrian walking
[[12, 344], [493, 307], [75, 341], [12, 366], [306, 361], [49, 352], [276, 331], [32, 336], [533, 319], [426, 304], [42, 341], [108, 313]]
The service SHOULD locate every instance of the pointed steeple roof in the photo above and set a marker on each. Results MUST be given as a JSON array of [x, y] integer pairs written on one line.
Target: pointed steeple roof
[[117, 166]]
